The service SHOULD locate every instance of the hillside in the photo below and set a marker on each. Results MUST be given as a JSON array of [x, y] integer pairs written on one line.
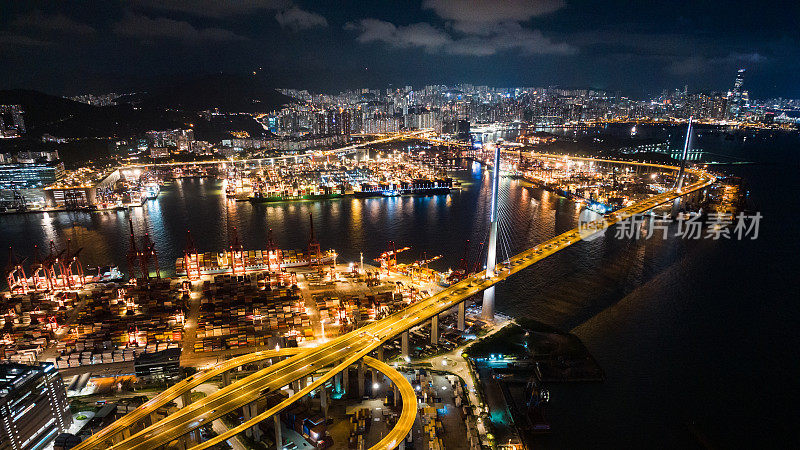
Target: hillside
[[229, 93], [172, 104], [48, 114]]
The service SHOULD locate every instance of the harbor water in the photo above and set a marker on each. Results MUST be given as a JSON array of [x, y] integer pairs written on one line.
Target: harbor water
[[697, 338]]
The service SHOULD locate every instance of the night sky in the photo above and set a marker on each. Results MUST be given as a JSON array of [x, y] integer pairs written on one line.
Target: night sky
[[636, 48]]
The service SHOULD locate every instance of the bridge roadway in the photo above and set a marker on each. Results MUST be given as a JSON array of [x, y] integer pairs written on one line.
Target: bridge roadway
[[353, 346], [132, 419], [186, 385], [347, 148]]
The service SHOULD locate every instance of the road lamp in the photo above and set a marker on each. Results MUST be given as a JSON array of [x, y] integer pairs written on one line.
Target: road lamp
[[322, 322]]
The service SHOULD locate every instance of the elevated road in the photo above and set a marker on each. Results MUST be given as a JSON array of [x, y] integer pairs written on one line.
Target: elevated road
[[391, 440], [381, 139], [183, 386], [351, 347]]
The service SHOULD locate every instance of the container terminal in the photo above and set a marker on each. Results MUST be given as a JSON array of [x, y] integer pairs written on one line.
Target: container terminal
[[235, 301], [54, 310]]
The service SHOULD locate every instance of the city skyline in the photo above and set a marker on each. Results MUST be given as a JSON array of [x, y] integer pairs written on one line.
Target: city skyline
[[637, 50], [428, 224]]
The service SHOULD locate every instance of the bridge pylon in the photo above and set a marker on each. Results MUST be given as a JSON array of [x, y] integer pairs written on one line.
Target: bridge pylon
[[679, 182], [487, 310]]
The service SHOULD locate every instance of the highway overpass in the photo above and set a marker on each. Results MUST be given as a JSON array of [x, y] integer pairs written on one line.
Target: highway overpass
[[332, 357]]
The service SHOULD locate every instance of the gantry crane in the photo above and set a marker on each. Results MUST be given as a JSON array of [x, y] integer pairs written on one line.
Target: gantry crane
[[17, 281]]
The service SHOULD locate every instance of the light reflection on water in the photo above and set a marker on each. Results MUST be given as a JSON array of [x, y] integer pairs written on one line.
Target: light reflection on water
[[677, 325]]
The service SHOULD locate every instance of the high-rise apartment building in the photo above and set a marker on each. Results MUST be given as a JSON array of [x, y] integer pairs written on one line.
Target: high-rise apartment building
[[33, 406]]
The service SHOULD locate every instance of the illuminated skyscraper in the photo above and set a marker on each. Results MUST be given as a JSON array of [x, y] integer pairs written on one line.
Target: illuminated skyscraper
[[735, 102], [33, 406]]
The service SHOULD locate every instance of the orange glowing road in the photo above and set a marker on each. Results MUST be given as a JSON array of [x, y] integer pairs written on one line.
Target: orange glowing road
[[351, 347], [381, 139]]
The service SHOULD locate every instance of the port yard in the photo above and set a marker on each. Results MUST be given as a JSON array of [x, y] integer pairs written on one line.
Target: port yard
[[101, 328], [252, 260], [115, 324], [309, 176], [237, 312], [220, 304], [387, 173], [602, 187], [444, 418]]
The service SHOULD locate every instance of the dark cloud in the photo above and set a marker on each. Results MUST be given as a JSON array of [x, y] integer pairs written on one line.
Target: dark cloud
[[473, 16], [55, 22], [212, 8], [12, 41], [420, 35], [296, 19], [492, 11], [493, 39], [143, 27], [701, 64], [636, 47]]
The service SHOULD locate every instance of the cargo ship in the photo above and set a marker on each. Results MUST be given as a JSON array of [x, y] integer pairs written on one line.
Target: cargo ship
[[215, 263], [259, 198], [104, 274], [414, 187]]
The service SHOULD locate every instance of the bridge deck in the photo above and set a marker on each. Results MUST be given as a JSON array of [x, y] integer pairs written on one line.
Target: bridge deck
[[355, 345]]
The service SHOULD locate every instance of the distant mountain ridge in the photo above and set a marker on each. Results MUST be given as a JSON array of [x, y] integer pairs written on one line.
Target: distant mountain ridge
[[62, 117], [169, 105], [229, 93]]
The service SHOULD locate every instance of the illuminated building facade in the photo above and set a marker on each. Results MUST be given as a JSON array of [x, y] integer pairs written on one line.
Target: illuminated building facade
[[33, 406], [30, 176], [737, 98]]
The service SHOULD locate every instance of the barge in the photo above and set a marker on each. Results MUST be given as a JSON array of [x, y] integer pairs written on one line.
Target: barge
[[258, 198], [216, 263]]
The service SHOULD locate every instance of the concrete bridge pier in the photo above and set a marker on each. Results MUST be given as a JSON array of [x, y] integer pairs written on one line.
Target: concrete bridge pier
[[247, 416], [462, 311], [435, 330], [278, 432], [250, 411], [302, 383], [337, 382], [404, 343], [256, 430], [487, 311], [226, 379], [323, 400], [188, 440], [361, 376], [186, 398], [141, 424], [194, 436], [346, 380], [381, 376]]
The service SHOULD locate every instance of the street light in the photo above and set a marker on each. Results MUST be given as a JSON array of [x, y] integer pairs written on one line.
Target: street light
[[322, 322]]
